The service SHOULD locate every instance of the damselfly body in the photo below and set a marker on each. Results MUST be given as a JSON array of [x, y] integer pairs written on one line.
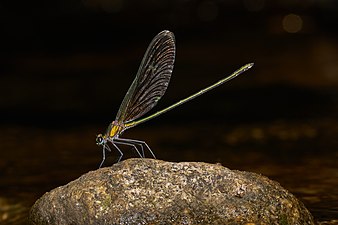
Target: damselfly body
[[148, 87]]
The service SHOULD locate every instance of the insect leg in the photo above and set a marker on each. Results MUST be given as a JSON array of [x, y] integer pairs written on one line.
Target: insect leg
[[105, 146], [118, 149], [133, 143], [103, 156], [141, 143], [123, 142]]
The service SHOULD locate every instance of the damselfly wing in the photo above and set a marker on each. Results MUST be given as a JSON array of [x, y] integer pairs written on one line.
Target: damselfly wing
[[149, 85]]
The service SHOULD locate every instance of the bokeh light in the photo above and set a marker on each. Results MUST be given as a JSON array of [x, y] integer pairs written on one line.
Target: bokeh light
[[292, 23]]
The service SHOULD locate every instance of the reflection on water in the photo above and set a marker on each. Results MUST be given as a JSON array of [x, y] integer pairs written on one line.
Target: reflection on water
[[299, 155], [12, 212]]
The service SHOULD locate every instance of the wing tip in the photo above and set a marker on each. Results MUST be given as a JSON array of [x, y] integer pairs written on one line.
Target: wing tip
[[166, 33]]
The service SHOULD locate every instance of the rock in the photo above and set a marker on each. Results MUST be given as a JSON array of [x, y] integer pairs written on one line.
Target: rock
[[148, 191]]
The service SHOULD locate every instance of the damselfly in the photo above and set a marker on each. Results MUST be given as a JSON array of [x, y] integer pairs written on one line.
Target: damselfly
[[148, 87]]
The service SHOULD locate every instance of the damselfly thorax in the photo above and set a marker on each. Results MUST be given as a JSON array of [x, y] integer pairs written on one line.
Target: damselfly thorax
[[149, 85], [114, 129]]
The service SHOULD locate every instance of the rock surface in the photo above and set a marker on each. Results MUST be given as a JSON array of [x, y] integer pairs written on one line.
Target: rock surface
[[148, 191]]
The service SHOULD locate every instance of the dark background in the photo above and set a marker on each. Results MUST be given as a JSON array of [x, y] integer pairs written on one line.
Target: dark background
[[66, 65]]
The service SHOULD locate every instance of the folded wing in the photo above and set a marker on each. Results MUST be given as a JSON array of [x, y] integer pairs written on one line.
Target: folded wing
[[152, 78]]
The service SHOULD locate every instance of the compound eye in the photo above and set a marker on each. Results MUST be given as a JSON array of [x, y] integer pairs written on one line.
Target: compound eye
[[99, 139]]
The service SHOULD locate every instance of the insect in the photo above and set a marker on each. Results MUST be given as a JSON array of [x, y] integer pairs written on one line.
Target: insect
[[149, 85]]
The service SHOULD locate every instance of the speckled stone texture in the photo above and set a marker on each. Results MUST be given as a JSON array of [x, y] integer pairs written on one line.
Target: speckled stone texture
[[148, 191]]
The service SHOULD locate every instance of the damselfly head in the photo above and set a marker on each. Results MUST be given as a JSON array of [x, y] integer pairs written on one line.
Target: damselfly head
[[99, 139]]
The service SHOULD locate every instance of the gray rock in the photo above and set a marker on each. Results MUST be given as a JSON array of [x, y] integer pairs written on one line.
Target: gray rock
[[148, 191]]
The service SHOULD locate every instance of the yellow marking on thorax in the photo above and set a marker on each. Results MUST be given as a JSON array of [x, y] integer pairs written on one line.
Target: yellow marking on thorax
[[114, 131]]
